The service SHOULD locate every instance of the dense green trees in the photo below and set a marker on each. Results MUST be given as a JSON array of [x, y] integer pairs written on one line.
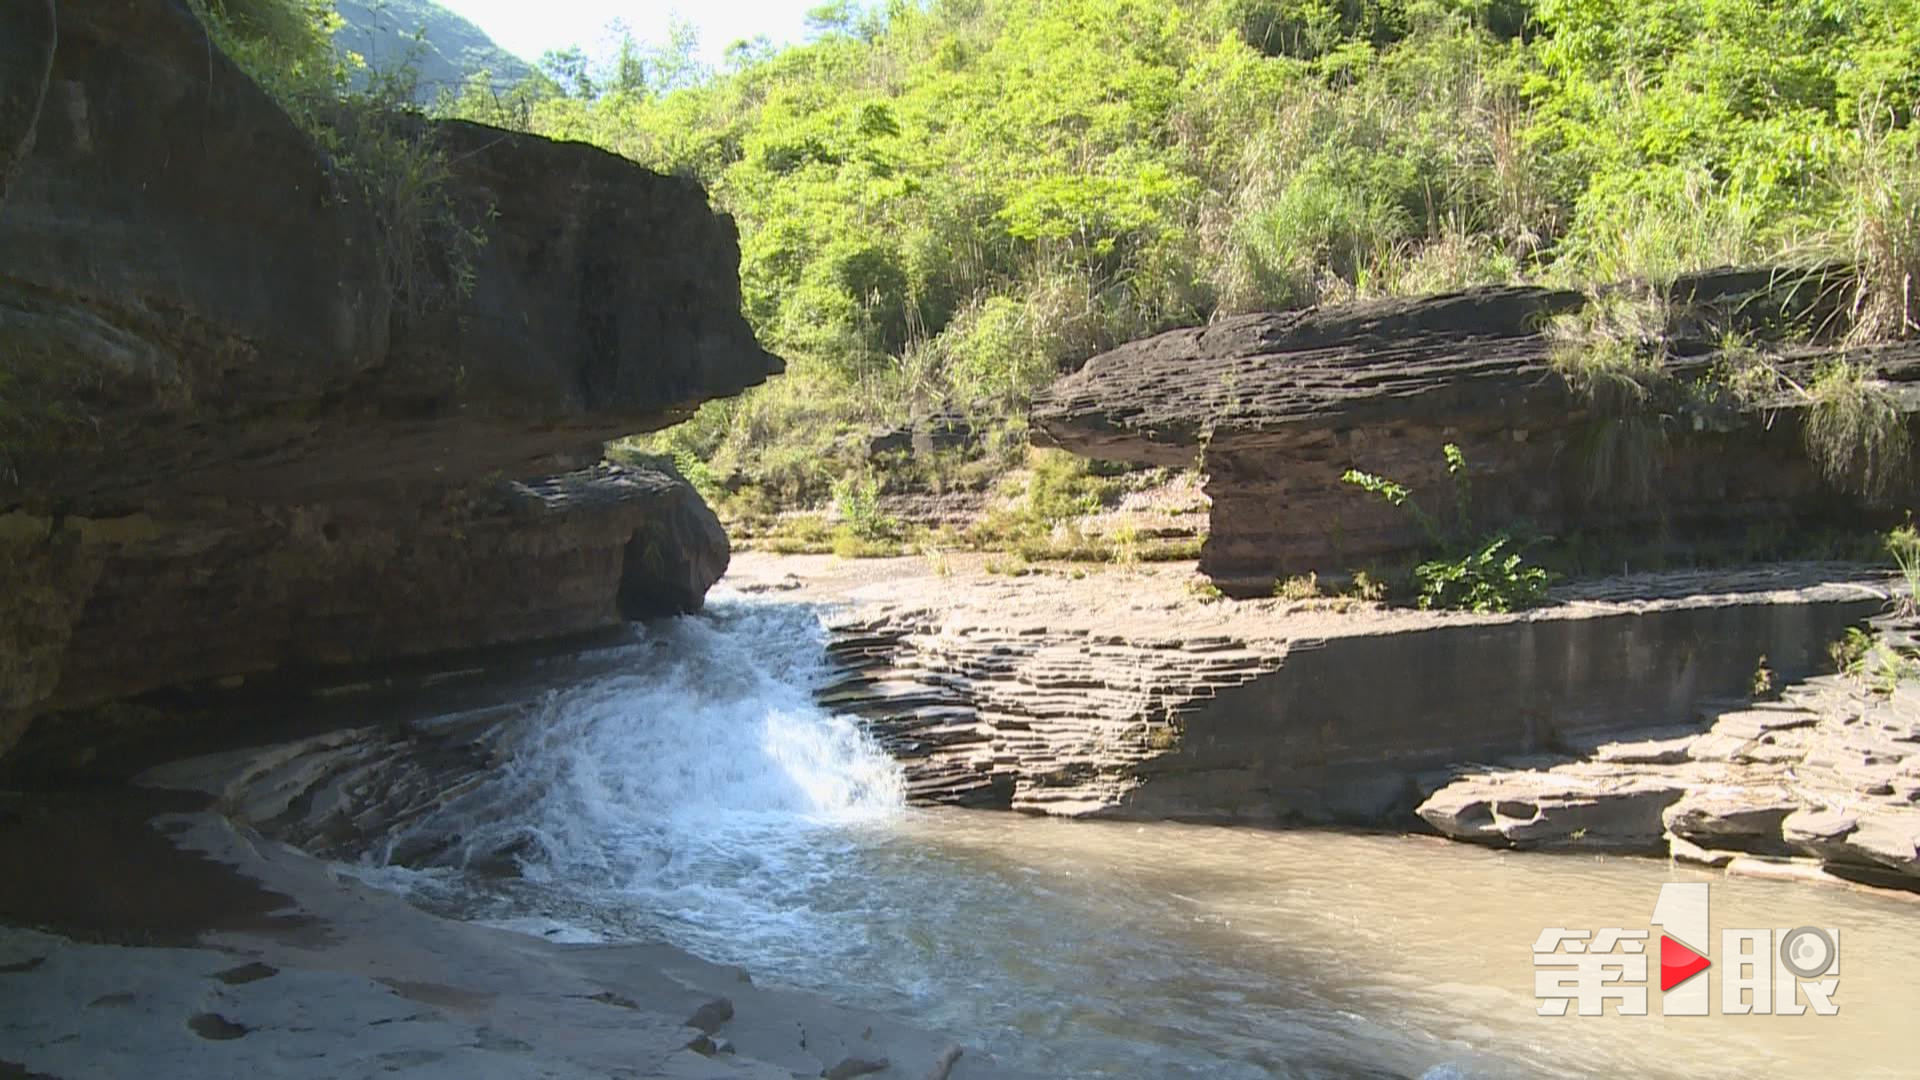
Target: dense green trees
[[943, 201]]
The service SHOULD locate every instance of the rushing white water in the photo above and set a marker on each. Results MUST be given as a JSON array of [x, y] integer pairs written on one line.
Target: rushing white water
[[701, 787], [700, 797]]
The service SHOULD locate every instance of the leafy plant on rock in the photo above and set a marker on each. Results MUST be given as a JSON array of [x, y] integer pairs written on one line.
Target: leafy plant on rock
[[1483, 575], [858, 505], [1903, 544]]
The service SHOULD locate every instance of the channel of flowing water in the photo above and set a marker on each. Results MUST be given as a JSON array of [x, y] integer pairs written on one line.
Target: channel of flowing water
[[700, 797]]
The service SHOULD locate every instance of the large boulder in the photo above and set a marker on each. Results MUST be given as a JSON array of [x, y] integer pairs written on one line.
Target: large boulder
[[1279, 406], [250, 419], [223, 312]]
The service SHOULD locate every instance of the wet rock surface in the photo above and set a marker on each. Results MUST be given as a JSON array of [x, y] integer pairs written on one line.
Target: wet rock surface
[[236, 405], [1829, 772], [1282, 405], [351, 981]]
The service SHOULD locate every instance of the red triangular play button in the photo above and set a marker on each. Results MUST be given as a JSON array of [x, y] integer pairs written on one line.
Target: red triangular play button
[[1678, 963]]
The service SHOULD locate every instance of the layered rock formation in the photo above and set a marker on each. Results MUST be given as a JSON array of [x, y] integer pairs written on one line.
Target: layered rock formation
[[247, 421], [1131, 698], [1061, 722], [1279, 406], [1829, 772]]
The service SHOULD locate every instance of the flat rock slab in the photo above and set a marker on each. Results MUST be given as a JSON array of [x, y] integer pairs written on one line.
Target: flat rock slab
[[364, 984], [1619, 811]]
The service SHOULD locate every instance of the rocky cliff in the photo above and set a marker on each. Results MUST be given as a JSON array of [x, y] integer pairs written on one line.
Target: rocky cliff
[[1279, 406], [251, 417]]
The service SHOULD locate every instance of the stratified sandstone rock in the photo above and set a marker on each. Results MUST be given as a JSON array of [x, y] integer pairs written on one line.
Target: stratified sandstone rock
[[1830, 773], [217, 296], [1601, 811], [1055, 721], [267, 588], [246, 425], [1281, 405], [1126, 697]]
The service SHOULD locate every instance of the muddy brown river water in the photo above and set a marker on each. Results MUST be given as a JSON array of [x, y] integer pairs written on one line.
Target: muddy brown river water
[[698, 796]]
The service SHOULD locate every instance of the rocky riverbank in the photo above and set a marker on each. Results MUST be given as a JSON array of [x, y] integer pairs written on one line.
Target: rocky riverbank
[[1824, 776], [195, 924], [1127, 693], [1279, 406], [214, 951]]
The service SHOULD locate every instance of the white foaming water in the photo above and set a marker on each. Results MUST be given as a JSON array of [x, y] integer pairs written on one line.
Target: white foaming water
[[703, 784]]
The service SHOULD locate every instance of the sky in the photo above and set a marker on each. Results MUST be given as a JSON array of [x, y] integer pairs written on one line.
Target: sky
[[531, 27]]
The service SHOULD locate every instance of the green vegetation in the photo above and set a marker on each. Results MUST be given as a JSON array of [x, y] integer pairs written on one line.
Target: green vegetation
[[944, 202], [1310, 592], [1470, 575], [1615, 353], [1854, 430], [364, 118], [1298, 588], [1045, 512], [446, 49], [1877, 665], [1863, 655]]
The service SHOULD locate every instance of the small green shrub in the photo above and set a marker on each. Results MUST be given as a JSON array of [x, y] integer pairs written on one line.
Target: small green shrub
[[1298, 588], [936, 559], [1014, 566], [798, 534], [857, 502], [1884, 668], [1484, 576], [1849, 653], [1882, 217], [1613, 351], [1489, 578], [1366, 587], [1881, 668], [1125, 544], [848, 543], [1205, 591], [381, 147], [1903, 543]]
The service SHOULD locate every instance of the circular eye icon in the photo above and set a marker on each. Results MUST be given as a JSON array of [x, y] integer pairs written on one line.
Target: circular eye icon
[[1807, 951]]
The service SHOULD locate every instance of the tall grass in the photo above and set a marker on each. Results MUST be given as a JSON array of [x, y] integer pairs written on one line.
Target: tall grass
[[1854, 429], [1882, 221]]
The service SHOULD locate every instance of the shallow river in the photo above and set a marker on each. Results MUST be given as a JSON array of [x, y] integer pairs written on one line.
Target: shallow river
[[701, 798]]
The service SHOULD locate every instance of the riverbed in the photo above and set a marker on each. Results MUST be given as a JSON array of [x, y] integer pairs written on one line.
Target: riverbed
[[698, 796]]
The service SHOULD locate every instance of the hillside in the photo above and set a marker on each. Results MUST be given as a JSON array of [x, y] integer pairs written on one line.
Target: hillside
[[944, 206], [453, 49]]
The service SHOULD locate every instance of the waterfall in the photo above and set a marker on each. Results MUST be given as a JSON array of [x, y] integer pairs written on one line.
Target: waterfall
[[701, 781]]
